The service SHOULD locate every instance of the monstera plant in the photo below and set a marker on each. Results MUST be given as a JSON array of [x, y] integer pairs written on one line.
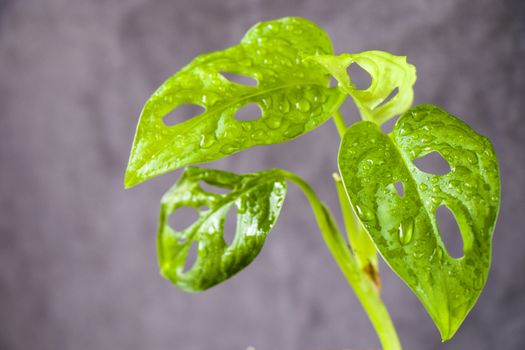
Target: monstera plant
[[388, 203]]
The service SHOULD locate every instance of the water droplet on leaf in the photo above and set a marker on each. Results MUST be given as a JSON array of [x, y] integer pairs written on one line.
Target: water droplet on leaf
[[418, 254], [294, 130], [364, 213], [229, 148], [303, 106], [206, 141], [478, 282], [259, 134], [285, 106], [406, 231], [273, 122]]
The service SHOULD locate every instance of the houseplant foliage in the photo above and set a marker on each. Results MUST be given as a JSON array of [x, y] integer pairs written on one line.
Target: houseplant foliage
[[292, 60]]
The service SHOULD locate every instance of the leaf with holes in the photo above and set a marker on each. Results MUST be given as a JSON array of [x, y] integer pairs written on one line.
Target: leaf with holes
[[258, 199], [391, 91], [293, 97], [403, 225]]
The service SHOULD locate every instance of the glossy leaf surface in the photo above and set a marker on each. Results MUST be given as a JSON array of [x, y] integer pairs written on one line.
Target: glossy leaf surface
[[404, 227], [387, 72], [292, 94], [258, 198]]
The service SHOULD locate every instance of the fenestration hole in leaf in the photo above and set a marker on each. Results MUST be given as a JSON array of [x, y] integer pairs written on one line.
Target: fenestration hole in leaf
[[230, 225], [432, 163], [249, 112], [192, 256], [390, 96], [359, 77], [349, 111], [206, 187], [182, 218], [182, 113], [399, 188], [389, 125], [333, 82], [450, 232], [240, 79]]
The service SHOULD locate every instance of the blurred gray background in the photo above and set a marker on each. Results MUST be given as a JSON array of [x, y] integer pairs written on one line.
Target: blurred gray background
[[77, 252]]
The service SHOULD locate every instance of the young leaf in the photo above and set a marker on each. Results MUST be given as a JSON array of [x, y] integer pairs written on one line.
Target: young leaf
[[258, 198], [387, 71], [404, 226], [293, 97]]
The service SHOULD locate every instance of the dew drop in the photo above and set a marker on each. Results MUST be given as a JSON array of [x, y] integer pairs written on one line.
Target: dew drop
[[294, 131], [472, 158], [438, 254], [364, 213], [418, 254], [206, 141], [285, 106], [461, 170], [478, 282], [273, 122], [418, 116], [246, 126], [406, 231], [453, 184], [229, 148], [259, 134], [303, 106], [471, 183], [426, 139]]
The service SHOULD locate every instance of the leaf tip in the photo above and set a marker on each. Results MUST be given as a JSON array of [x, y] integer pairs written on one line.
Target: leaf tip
[[446, 336], [448, 328], [131, 179]]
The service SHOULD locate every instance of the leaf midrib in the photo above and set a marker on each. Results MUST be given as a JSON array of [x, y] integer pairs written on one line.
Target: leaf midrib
[[232, 196], [190, 123], [406, 162]]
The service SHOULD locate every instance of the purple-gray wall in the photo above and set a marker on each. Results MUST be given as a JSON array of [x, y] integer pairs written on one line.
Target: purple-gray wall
[[77, 252]]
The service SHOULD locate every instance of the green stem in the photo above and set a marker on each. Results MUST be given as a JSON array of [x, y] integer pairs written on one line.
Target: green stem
[[339, 123], [357, 278], [361, 243], [346, 211]]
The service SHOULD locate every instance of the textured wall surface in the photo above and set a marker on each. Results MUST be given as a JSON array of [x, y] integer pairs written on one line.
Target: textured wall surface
[[77, 252]]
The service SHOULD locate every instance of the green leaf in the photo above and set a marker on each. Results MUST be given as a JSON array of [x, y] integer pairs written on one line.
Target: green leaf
[[387, 71], [258, 198], [404, 227], [292, 95]]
